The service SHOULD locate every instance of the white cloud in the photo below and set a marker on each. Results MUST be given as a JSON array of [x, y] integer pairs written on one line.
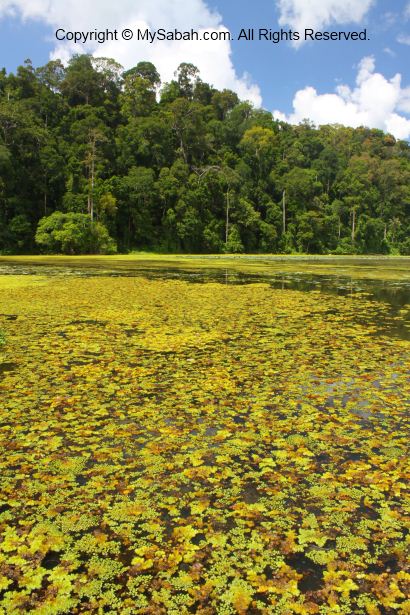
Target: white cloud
[[374, 102], [213, 58], [389, 52], [404, 103], [389, 19], [404, 39], [316, 14], [407, 11]]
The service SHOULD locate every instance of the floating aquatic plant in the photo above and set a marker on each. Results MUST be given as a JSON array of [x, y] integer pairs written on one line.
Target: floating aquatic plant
[[178, 448]]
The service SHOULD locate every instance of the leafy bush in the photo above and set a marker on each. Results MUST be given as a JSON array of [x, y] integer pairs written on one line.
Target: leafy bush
[[234, 244], [73, 233], [405, 247]]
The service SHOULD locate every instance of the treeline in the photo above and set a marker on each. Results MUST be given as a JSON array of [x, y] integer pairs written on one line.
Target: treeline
[[93, 158]]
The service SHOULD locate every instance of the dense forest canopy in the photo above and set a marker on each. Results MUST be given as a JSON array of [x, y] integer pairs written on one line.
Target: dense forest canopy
[[93, 158]]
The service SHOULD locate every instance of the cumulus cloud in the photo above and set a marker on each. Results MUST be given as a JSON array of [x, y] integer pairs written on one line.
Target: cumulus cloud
[[374, 102], [213, 58], [404, 103], [317, 14]]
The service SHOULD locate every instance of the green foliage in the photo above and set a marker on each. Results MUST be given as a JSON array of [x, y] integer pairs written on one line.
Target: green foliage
[[20, 229], [73, 233], [155, 162], [234, 243]]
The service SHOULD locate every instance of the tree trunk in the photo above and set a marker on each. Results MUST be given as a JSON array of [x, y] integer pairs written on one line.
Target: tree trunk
[[45, 194], [183, 150], [284, 212], [90, 200], [353, 223], [92, 188], [227, 218]]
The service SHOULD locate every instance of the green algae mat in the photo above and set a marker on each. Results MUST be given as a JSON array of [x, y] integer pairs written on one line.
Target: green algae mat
[[175, 448]]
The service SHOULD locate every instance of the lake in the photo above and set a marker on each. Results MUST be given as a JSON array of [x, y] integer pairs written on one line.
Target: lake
[[204, 434]]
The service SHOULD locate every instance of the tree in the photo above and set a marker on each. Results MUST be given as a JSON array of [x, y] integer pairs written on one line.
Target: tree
[[357, 188], [82, 83], [89, 134], [146, 71], [73, 233], [138, 97], [224, 102], [137, 198], [187, 123], [95, 136], [393, 182], [187, 76], [259, 145], [21, 230], [370, 236]]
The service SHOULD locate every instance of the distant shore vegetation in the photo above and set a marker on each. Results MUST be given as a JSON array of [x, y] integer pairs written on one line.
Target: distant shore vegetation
[[95, 159]]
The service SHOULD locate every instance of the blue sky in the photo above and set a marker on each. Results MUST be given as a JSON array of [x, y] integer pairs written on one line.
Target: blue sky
[[348, 82]]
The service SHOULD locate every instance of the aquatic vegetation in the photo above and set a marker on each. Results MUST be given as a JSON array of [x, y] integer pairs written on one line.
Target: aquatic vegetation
[[350, 267], [200, 448]]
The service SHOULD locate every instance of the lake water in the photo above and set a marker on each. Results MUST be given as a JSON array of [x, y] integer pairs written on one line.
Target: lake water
[[198, 435], [385, 280]]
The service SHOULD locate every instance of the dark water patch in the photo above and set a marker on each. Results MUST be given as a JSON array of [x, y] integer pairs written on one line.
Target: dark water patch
[[312, 574], [7, 367], [89, 321], [198, 538], [269, 572], [131, 332], [51, 560], [185, 512], [322, 459], [367, 511], [211, 431], [387, 564], [251, 493], [13, 587], [82, 362], [239, 420], [354, 456], [126, 556]]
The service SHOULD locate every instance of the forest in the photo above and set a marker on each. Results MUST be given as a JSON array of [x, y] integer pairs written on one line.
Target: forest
[[95, 159]]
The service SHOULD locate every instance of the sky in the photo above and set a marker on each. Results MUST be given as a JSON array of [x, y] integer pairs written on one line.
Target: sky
[[347, 82]]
